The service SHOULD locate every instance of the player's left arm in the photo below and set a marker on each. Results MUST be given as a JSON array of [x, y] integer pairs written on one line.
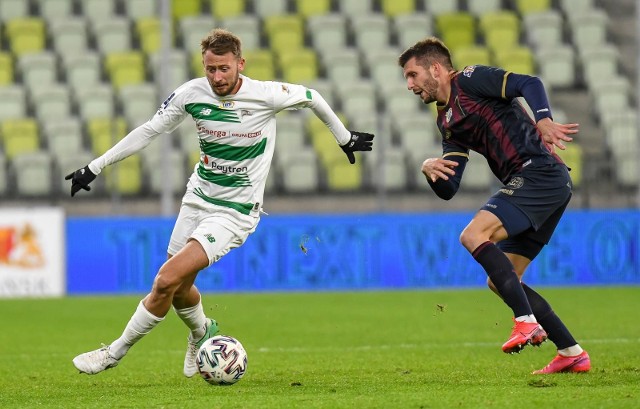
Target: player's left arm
[[293, 96], [532, 90], [444, 174]]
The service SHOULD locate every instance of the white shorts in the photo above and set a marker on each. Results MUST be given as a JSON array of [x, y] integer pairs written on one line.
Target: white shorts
[[217, 234]]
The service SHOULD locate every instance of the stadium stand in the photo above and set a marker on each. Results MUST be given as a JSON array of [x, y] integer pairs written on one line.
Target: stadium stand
[[139, 9], [19, 137], [191, 29], [4, 175], [310, 8], [327, 32], [410, 28], [51, 101], [69, 35], [13, 102], [55, 10], [6, 69], [101, 60], [33, 173]]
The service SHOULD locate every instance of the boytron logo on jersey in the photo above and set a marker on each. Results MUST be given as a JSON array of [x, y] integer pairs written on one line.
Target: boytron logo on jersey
[[210, 112], [227, 104]]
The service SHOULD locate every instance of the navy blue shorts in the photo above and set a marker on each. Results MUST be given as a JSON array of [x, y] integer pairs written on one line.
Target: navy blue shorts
[[530, 206]]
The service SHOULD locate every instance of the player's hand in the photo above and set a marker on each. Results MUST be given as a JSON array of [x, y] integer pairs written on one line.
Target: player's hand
[[554, 134], [360, 141], [438, 168], [80, 179]]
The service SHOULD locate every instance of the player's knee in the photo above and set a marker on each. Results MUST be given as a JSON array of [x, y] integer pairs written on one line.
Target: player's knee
[[468, 239], [165, 283]]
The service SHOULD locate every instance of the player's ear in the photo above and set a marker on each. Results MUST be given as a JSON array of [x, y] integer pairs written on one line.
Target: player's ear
[[241, 64]]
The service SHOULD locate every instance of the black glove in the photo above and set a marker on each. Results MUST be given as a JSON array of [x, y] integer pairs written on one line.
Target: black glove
[[360, 141], [80, 179]]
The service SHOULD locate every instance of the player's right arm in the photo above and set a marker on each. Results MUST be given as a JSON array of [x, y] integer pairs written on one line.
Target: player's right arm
[[444, 174], [167, 118]]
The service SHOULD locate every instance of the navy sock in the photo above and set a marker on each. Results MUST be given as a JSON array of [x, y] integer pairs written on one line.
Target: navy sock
[[552, 324], [501, 272]]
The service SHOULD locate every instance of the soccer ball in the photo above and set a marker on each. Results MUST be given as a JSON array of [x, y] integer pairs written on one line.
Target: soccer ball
[[222, 360]]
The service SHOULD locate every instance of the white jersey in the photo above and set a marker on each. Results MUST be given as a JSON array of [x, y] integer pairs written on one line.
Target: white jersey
[[237, 138]]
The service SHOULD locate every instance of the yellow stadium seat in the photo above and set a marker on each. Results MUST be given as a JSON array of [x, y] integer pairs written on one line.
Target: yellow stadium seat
[[500, 29], [456, 29], [125, 177], [26, 35], [308, 8], [572, 156], [125, 68], [105, 132], [184, 8], [517, 59], [474, 55], [196, 64], [393, 8], [6, 69], [299, 66], [525, 7], [222, 9], [341, 175], [149, 32], [19, 136], [285, 32], [259, 64]]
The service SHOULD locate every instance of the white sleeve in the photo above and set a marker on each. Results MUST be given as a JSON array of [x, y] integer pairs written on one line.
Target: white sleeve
[[321, 108], [170, 114], [135, 141], [292, 96]]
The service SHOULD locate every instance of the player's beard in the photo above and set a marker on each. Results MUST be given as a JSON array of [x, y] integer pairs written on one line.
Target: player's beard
[[224, 91], [430, 89]]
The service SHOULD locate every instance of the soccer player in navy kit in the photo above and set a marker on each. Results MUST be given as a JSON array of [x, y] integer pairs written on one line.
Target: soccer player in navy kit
[[478, 110]]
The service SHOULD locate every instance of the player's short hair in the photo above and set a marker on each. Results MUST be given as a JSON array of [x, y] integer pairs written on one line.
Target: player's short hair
[[426, 52], [220, 42]]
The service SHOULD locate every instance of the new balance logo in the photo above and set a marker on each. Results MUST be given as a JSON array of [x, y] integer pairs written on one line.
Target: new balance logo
[[205, 111], [210, 238]]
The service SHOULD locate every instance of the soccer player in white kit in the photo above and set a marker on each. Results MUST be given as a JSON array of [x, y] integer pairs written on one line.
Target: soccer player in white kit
[[236, 126]]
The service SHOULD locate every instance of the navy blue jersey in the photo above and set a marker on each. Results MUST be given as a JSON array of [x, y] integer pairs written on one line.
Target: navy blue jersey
[[481, 116]]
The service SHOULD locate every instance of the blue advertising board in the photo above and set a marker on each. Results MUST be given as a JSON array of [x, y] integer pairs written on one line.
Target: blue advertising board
[[349, 252]]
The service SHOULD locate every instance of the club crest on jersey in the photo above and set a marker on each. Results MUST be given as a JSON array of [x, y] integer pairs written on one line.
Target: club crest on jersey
[[448, 115], [468, 70], [516, 182]]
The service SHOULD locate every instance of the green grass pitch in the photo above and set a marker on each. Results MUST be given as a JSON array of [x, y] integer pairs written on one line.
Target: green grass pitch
[[408, 349]]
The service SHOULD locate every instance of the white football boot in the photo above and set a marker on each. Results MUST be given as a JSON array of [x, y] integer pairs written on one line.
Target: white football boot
[[190, 367], [94, 362]]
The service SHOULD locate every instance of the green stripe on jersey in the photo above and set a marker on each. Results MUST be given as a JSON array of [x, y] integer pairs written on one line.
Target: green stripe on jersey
[[309, 94], [211, 112], [229, 152], [223, 179], [244, 208]]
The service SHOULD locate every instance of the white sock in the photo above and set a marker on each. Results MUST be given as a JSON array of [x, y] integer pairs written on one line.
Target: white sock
[[140, 324], [571, 351], [194, 318], [526, 318]]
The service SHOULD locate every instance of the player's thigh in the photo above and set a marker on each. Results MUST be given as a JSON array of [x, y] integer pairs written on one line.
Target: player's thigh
[[186, 222]]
